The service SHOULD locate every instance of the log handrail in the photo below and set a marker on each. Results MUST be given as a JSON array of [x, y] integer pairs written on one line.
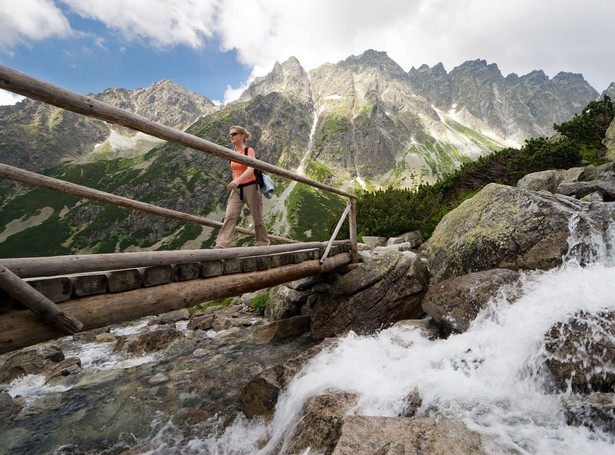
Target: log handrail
[[43, 181], [28, 86], [23, 84], [12, 270], [63, 265]]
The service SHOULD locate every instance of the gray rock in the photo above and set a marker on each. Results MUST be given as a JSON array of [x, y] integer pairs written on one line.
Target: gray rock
[[285, 302], [581, 352], [606, 187], [454, 303], [537, 181], [414, 238], [506, 227], [371, 296], [373, 241]]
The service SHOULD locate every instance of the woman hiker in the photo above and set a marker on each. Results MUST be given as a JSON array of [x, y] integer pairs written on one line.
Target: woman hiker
[[244, 190]]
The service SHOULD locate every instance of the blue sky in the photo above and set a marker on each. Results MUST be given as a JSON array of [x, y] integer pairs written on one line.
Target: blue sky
[[215, 47]]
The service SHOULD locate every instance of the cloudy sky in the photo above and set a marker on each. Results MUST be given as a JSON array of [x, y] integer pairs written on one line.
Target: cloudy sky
[[214, 47]]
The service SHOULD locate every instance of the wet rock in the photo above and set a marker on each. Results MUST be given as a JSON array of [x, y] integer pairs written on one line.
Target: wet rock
[[581, 352], [390, 435], [260, 395], [201, 322], [320, 425], [66, 367], [595, 411], [148, 342], [279, 330], [506, 227], [455, 303], [8, 410], [374, 295], [30, 361]]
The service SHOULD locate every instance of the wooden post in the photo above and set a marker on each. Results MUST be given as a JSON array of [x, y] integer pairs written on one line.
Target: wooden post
[[38, 303], [335, 232], [352, 222]]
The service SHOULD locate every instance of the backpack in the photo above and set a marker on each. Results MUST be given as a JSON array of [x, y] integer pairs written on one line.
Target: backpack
[[264, 182]]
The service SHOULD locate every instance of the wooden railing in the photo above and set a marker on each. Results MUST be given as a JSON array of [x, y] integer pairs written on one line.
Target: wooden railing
[[36, 89], [13, 270]]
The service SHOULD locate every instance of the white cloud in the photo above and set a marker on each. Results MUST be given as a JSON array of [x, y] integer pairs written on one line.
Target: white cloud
[[519, 36], [9, 98], [164, 23], [25, 20]]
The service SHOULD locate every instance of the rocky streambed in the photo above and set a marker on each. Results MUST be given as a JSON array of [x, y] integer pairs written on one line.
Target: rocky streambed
[[494, 337]]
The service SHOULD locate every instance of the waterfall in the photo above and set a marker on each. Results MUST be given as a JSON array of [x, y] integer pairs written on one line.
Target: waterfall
[[492, 377]]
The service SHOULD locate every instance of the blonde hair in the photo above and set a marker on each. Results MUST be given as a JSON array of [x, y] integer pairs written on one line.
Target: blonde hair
[[241, 130]]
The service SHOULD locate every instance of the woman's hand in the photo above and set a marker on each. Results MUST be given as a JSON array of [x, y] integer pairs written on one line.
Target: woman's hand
[[234, 184]]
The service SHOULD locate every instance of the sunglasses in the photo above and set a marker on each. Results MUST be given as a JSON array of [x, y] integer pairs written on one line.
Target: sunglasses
[[233, 134]]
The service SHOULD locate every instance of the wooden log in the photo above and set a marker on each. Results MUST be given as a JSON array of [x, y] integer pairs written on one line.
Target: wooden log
[[89, 284], [56, 289], [79, 263], [37, 303], [186, 272], [123, 280], [19, 329], [157, 275], [25, 85], [32, 178]]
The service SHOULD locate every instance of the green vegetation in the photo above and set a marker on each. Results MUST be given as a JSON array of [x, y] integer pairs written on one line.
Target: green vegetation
[[260, 302], [218, 302], [393, 211], [308, 212]]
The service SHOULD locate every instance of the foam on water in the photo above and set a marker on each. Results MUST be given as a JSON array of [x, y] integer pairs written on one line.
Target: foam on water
[[492, 377]]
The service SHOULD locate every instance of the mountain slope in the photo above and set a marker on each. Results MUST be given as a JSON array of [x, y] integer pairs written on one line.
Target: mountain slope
[[362, 123]]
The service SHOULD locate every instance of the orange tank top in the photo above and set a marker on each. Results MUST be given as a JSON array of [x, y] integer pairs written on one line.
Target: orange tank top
[[239, 168]]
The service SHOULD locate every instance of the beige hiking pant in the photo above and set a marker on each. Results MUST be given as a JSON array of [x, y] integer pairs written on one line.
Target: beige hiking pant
[[254, 199]]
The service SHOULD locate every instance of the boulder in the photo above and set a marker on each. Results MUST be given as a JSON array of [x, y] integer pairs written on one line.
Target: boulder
[[454, 303], [581, 352], [362, 435], [373, 241], [609, 141], [285, 302], [371, 296], [414, 238], [507, 227], [579, 174], [537, 181]]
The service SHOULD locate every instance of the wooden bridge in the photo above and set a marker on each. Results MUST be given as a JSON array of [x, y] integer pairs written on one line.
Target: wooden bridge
[[48, 297]]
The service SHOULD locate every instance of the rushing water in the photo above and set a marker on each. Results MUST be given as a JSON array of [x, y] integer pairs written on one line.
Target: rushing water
[[491, 377]]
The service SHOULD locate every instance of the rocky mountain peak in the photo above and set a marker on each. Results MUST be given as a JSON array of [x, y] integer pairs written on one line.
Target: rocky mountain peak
[[374, 60], [288, 78]]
